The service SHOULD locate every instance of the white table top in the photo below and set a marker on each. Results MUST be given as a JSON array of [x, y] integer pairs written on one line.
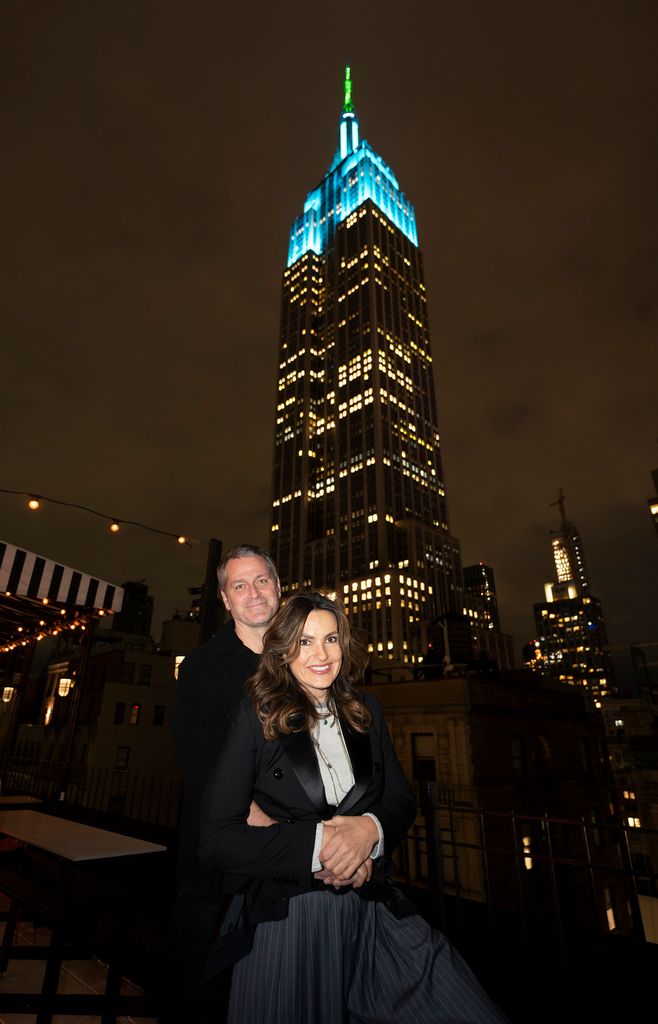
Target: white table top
[[70, 839], [10, 801]]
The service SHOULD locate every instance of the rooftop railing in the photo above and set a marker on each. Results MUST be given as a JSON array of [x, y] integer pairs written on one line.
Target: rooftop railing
[[550, 911], [133, 795]]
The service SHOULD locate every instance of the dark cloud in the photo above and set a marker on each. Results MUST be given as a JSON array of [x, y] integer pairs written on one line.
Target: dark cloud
[[154, 156], [511, 418]]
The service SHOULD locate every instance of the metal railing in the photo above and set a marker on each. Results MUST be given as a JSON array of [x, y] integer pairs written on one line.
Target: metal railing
[[544, 908], [594, 871], [548, 910], [137, 796]]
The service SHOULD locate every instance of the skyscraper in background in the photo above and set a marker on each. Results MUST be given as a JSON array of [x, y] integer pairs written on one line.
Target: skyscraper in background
[[479, 582], [568, 553], [571, 644], [359, 500]]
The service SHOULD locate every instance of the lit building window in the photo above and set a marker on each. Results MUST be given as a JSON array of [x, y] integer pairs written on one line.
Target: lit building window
[[609, 909], [123, 754]]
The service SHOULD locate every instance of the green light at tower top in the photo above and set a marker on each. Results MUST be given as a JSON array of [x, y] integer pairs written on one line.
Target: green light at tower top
[[347, 104]]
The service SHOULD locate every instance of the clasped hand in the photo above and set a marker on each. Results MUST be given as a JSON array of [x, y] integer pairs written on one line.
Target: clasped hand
[[361, 875], [345, 853]]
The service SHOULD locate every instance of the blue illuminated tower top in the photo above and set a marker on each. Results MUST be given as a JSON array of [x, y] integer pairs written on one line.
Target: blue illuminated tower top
[[357, 173]]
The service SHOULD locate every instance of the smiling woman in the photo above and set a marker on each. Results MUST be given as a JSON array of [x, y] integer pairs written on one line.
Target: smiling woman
[[331, 938], [318, 660], [310, 657]]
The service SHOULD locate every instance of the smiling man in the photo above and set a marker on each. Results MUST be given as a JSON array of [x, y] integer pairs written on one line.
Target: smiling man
[[250, 590], [209, 689]]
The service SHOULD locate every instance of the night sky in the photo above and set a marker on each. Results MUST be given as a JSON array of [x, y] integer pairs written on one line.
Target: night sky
[[154, 155]]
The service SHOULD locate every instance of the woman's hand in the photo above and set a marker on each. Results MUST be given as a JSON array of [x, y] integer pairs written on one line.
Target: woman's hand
[[348, 842], [258, 818], [361, 875]]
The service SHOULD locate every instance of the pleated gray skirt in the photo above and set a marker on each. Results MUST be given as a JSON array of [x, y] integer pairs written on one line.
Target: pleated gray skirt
[[338, 958]]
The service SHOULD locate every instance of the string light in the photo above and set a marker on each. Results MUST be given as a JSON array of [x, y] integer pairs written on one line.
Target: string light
[[79, 622], [34, 502]]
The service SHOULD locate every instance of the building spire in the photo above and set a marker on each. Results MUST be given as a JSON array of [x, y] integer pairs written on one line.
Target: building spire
[[560, 502], [349, 126], [348, 107]]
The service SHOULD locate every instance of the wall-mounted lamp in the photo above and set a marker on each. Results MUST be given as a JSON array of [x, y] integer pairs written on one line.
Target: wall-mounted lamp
[[7, 693], [64, 686]]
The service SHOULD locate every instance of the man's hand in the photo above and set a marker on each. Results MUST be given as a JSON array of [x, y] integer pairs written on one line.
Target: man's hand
[[259, 818], [361, 875], [348, 842]]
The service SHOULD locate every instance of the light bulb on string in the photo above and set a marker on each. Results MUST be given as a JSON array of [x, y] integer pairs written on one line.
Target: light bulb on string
[[34, 501]]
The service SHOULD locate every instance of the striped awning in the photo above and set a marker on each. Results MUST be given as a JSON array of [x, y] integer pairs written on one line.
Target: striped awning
[[25, 574]]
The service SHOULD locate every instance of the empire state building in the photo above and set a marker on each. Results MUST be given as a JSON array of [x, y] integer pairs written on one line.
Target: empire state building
[[359, 501]]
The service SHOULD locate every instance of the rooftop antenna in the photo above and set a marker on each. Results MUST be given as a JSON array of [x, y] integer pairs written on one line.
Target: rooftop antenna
[[348, 106], [349, 126], [560, 501]]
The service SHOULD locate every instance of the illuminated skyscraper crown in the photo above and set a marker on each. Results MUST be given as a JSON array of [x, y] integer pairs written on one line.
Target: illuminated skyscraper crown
[[357, 173]]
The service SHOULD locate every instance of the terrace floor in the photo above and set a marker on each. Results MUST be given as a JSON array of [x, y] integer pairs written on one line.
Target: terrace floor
[[78, 977]]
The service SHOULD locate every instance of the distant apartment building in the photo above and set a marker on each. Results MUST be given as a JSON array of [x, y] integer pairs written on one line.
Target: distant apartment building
[[481, 610], [120, 707], [632, 729], [522, 749], [110, 705]]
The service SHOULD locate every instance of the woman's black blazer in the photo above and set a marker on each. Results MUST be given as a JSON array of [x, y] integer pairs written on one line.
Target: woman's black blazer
[[283, 777]]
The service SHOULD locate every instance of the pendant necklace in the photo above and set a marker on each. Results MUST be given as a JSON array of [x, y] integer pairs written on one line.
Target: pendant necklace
[[331, 771], [324, 714], [333, 778]]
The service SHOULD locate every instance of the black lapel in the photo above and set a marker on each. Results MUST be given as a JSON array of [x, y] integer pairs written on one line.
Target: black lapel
[[301, 754], [360, 751]]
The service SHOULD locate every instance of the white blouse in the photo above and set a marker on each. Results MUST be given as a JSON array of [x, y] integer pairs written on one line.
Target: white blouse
[[337, 776]]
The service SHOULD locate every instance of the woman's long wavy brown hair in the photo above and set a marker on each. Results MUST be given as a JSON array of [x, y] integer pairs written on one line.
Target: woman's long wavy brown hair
[[280, 701]]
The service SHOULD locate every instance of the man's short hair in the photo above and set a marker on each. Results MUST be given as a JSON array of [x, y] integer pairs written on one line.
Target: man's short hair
[[244, 551]]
